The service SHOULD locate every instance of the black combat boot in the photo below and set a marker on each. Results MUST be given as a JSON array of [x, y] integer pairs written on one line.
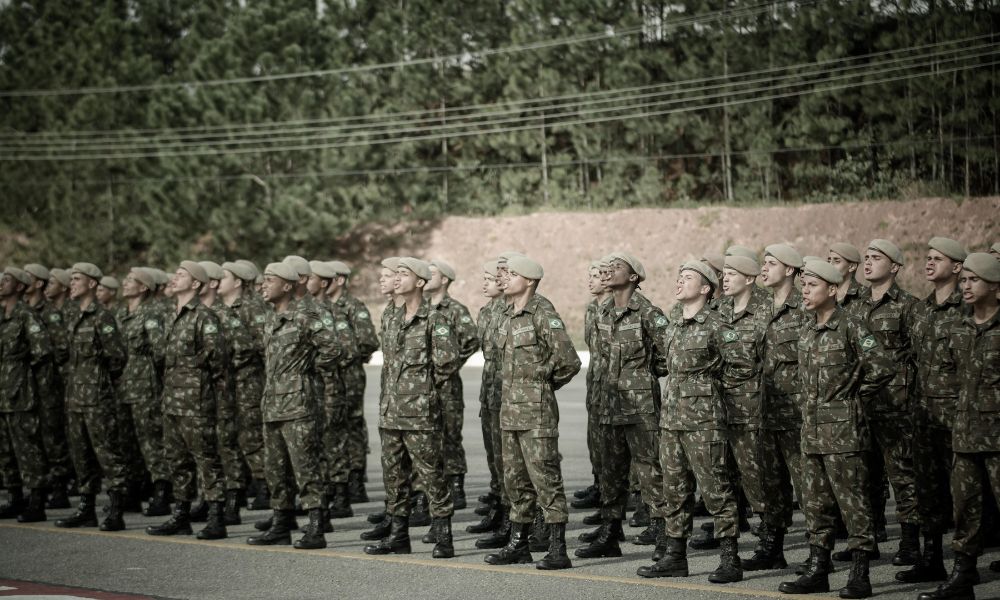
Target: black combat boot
[[16, 504], [431, 536], [280, 532], [516, 551], [340, 502], [132, 497], [770, 551], [660, 550], [159, 504], [113, 520], [606, 544], [590, 500], [398, 541], [199, 512], [556, 558], [640, 518], [673, 564], [590, 489], [58, 498], [356, 487], [376, 517], [179, 522], [647, 537], [444, 548], [313, 538], [858, 583], [420, 516], [85, 515], [490, 522], [487, 502], [499, 537], [380, 531], [324, 520], [931, 565], [265, 524], [262, 499], [815, 578], [909, 545], [231, 515], [594, 518], [730, 570], [846, 555], [960, 584], [458, 491], [538, 539], [215, 523], [34, 511], [705, 541]]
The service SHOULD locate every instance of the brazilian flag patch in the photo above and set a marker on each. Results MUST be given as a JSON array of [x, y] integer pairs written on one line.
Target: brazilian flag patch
[[259, 319], [466, 319], [35, 328], [555, 324], [442, 330], [362, 315], [108, 329], [661, 321], [868, 343], [731, 336], [342, 325], [55, 318], [328, 322], [151, 324], [210, 328]]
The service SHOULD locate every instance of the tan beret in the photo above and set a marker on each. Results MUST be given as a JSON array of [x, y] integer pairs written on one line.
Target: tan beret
[[37, 271], [598, 264], [490, 268], [737, 250], [282, 270], [995, 248], [298, 263], [505, 256], [632, 262], [322, 269], [252, 266], [88, 269], [846, 251], [444, 268], [213, 269], [340, 268], [18, 274], [888, 248], [60, 275], [950, 248], [984, 265], [706, 270], [110, 282], [525, 267], [420, 268], [715, 261], [785, 254], [809, 257], [143, 276], [743, 264], [159, 275], [823, 270], [391, 263], [196, 270], [240, 270]]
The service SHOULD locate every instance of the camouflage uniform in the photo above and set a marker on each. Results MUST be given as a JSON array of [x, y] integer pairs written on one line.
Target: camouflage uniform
[[336, 403], [630, 339], [25, 351], [97, 356], [782, 420], [422, 354], [240, 351], [700, 361], [976, 429], [854, 290], [453, 404], [358, 315], [52, 408], [490, 392], [194, 384], [249, 383], [538, 359], [595, 386], [840, 363]]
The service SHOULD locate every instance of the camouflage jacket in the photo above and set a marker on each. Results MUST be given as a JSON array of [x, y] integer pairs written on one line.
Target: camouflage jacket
[[937, 373], [744, 403], [97, 356], [144, 335], [538, 359], [595, 370], [425, 355], [252, 313], [389, 328], [55, 325], [357, 315], [701, 361], [194, 362], [462, 326], [891, 320], [976, 351], [489, 319], [781, 365], [25, 349], [840, 363], [854, 290], [631, 341]]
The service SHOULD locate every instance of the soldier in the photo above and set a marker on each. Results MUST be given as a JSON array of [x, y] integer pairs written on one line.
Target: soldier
[[97, 356], [974, 345], [26, 351], [538, 359], [840, 363], [630, 340], [453, 409], [423, 358], [107, 292], [700, 361], [935, 411], [846, 258], [57, 290], [194, 384]]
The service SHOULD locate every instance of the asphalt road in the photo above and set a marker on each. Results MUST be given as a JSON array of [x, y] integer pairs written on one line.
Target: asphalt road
[[183, 567]]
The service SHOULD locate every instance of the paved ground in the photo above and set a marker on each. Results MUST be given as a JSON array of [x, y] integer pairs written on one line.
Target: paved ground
[[182, 567]]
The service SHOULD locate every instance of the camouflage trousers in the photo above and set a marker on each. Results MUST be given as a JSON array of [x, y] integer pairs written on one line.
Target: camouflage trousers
[[190, 449], [892, 455], [932, 456], [142, 424], [493, 441], [93, 446], [453, 419], [626, 448], [532, 476], [833, 480], [745, 449], [412, 459], [781, 475], [22, 457], [357, 427], [594, 449], [250, 424], [690, 458], [968, 474], [292, 456], [128, 447], [228, 436], [52, 418], [335, 442]]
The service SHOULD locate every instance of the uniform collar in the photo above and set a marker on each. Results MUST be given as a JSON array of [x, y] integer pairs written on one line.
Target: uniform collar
[[701, 316], [953, 299], [833, 322], [994, 321], [531, 307]]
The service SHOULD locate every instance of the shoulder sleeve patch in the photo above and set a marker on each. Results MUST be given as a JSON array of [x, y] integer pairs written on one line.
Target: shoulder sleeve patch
[[234, 322], [151, 324], [555, 324], [327, 321], [35, 328], [55, 317], [316, 325], [466, 319], [868, 343], [209, 328], [661, 321], [108, 329], [363, 314], [731, 336], [442, 330], [259, 319], [342, 325]]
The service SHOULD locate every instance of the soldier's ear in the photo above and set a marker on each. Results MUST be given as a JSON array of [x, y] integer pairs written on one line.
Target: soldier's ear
[[956, 268], [832, 292], [895, 268]]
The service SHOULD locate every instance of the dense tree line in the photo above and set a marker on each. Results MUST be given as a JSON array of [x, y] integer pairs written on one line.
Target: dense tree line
[[410, 111]]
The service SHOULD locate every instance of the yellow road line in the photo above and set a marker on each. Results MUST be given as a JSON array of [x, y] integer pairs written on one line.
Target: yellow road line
[[676, 584]]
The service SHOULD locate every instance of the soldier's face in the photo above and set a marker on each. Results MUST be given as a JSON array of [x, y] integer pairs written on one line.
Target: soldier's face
[[595, 282], [54, 289], [976, 290], [131, 287], [434, 282], [773, 272], [844, 266], [316, 284], [8, 286], [938, 267], [691, 285], [620, 275], [182, 281], [80, 284], [878, 266], [491, 289], [516, 284], [817, 293], [386, 281], [104, 294], [228, 283], [734, 282], [503, 275], [274, 288], [407, 281]]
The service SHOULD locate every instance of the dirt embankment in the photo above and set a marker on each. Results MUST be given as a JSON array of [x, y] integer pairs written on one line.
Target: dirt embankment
[[565, 243]]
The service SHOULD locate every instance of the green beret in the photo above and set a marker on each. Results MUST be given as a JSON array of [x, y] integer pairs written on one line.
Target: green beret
[[391, 263], [444, 268], [60, 275], [490, 268], [743, 264], [143, 276], [421, 269], [505, 256], [240, 270], [984, 265], [631, 261], [110, 282], [37, 271], [88, 269], [298, 263], [846, 251], [196, 270], [949, 248], [340, 268], [703, 268], [995, 248], [785, 254], [19, 274], [282, 270], [213, 269], [525, 267], [823, 270], [322, 269], [249, 264], [888, 248], [736, 250]]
